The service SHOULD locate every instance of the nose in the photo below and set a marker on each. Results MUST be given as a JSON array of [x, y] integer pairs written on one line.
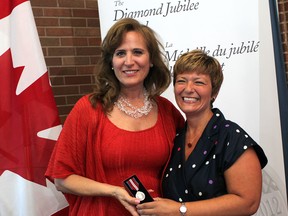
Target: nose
[[190, 87], [128, 59]]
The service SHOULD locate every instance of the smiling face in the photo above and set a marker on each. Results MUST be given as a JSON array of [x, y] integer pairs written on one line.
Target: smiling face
[[193, 93], [197, 79], [131, 60]]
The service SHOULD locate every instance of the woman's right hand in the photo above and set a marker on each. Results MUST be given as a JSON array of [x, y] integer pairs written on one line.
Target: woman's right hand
[[83, 186], [126, 200]]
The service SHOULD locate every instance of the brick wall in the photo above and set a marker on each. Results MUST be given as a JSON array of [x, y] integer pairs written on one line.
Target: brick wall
[[70, 37], [69, 32], [283, 17]]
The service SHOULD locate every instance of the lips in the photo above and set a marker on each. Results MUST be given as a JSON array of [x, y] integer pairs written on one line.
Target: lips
[[130, 72], [190, 99]]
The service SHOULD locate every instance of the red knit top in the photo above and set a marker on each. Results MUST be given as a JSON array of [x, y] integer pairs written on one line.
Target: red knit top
[[91, 145]]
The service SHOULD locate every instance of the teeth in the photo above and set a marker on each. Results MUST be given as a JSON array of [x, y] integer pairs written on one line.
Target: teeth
[[190, 99], [130, 72]]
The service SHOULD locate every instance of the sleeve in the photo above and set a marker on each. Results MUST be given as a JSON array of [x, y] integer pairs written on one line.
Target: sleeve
[[69, 152], [237, 141]]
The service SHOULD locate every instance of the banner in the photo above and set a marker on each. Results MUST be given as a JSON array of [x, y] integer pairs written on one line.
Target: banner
[[238, 34], [218, 28], [29, 124], [273, 112]]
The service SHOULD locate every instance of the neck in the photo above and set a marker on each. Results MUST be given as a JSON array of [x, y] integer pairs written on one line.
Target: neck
[[197, 123], [133, 93], [135, 97], [195, 128]]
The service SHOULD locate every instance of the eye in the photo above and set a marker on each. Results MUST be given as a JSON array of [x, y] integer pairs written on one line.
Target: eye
[[180, 80], [200, 82], [138, 52], [119, 53]]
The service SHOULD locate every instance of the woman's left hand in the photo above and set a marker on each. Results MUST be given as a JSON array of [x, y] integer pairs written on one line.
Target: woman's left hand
[[160, 207]]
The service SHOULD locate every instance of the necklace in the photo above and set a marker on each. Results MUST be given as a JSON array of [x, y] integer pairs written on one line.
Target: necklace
[[192, 141], [125, 106]]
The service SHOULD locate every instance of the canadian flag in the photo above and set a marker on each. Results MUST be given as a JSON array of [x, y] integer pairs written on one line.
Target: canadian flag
[[29, 122]]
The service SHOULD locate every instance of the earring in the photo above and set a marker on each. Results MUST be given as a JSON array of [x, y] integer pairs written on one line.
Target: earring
[[212, 101], [151, 65], [112, 68]]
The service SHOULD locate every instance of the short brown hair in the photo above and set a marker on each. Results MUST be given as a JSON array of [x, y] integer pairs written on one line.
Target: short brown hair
[[199, 62]]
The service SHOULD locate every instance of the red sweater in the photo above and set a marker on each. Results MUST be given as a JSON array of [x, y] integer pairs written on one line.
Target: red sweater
[[92, 146]]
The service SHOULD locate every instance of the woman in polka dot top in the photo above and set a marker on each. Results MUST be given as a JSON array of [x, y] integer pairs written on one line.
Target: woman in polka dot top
[[215, 166]]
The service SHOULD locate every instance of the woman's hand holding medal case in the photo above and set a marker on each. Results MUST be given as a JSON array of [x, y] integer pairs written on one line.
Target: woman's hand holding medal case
[[137, 189]]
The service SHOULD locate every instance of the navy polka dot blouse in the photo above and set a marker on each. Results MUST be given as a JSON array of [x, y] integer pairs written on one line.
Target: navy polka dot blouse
[[202, 175]]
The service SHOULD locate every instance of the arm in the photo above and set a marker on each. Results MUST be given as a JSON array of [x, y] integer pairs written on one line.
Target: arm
[[244, 184], [67, 166], [82, 186]]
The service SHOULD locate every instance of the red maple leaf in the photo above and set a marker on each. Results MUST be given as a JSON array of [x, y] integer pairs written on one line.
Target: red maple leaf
[[22, 117]]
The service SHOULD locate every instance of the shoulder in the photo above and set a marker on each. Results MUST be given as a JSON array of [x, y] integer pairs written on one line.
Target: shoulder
[[83, 111], [219, 121], [161, 99], [227, 130], [167, 106], [228, 134], [84, 104], [164, 103], [236, 140], [170, 112]]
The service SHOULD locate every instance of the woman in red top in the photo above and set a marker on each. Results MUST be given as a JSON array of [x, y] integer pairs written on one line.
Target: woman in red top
[[125, 127]]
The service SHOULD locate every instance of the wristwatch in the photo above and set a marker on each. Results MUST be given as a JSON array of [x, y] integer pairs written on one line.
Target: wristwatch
[[183, 209]]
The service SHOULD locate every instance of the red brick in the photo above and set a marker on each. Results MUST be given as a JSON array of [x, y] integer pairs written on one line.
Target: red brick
[[73, 99], [73, 22], [57, 80], [85, 13], [76, 60], [91, 4], [61, 51], [60, 100], [71, 3], [43, 21], [58, 12], [86, 70], [85, 89], [75, 41], [72, 80], [65, 90], [59, 31], [87, 32], [50, 41], [53, 61], [44, 3], [65, 110], [87, 51], [62, 71]]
